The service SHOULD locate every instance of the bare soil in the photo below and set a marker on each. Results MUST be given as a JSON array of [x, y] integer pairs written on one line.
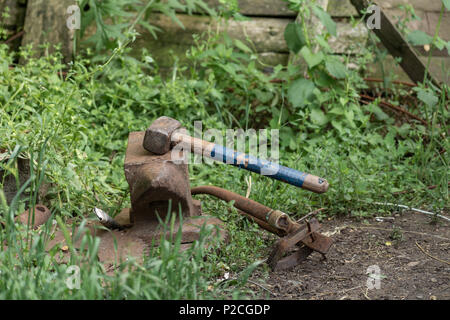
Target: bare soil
[[401, 247]]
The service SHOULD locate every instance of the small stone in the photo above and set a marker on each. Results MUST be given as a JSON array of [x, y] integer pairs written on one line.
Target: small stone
[[433, 298], [433, 280], [419, 296], [413, 264]]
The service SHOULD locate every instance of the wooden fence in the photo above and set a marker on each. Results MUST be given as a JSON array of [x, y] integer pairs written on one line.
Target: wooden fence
[[265, 27]]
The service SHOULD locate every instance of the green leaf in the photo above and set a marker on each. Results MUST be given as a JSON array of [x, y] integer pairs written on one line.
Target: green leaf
[[294, 37], [446, 4], [293, 144], [350, 116], [312, 59], [336, 68], [326, 20], [419, 38], [377, 112], [323, 79], [300, 92], [263, 96], [318, 117], [242, 46], [338, 126]]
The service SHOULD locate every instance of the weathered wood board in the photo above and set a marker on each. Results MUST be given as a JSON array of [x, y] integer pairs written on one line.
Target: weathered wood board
[[260, 8], [13, 24], [16, 11], [397, 45], [265, 34], [46, 21], [343, 8], [439, 67]]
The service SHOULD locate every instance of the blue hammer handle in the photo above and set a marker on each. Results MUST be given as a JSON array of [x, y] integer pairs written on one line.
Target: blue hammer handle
[[270, 169]]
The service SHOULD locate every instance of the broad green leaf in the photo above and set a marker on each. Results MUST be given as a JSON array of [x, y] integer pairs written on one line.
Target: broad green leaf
[[323, 43], [326, 20], [338, 126], [312, 59], [293, 34], [4, 66], [446, 4], [323, 79], [339, 110], [300, 92], [377, 112], [242, 46], [419, 38], [318, 117], [336, 68], [350, 116], [263, 96]]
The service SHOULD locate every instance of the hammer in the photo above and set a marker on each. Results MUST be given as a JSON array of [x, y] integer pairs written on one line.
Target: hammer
[[164, 133]]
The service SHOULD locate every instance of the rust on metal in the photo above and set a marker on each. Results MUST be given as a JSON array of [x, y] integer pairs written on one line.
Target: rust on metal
[[156, 182], [35, 217], [157, 137]]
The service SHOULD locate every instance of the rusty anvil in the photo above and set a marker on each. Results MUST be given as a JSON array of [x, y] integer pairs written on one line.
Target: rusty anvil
[[156, 184]]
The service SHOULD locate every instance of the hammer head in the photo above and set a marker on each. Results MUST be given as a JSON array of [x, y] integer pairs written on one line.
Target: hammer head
[[157, 138]]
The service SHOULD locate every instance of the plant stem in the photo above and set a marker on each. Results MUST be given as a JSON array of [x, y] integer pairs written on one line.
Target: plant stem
[[436, 34]]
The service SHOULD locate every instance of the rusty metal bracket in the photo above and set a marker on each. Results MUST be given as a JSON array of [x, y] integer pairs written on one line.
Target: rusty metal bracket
[[304, 237], [307, 238]]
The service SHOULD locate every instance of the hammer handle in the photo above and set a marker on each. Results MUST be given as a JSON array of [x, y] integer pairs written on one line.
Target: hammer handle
[[273, 170]]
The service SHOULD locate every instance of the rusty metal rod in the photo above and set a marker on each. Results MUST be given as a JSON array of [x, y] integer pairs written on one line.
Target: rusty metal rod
[[263, 224], [274, 218]]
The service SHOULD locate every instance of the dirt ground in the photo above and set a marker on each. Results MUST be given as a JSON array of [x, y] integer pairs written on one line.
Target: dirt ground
[[400, 246]]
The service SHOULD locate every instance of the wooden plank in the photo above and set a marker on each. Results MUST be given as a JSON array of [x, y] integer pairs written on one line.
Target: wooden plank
[[164, 54], [428, 5], [353, 40], [349, 39], [427, 23], [266, 34], [341, 9], [261, 8], [439, 69], [16, 13], [394, 42], [432, 19], [344, 8]]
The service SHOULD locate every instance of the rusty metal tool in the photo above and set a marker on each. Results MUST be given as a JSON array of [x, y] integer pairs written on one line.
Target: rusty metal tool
[[304, 237], [164, 133]]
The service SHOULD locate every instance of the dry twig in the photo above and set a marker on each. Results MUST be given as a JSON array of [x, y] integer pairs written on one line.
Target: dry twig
[[437, 259]]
